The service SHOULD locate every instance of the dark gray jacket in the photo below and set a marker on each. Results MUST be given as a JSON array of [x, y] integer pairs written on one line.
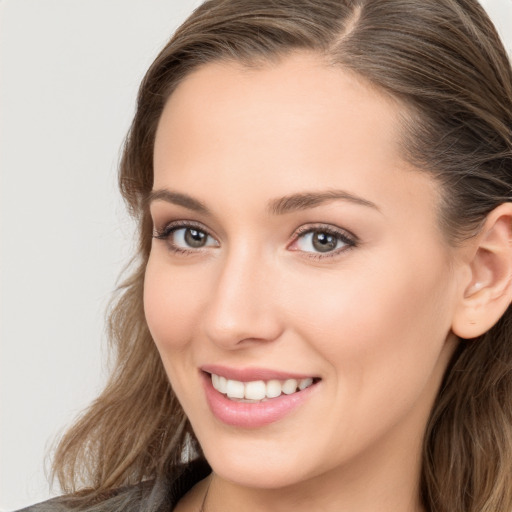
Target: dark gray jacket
[[147, 496]]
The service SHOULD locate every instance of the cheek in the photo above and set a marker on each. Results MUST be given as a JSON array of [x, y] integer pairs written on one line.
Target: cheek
[[386, 323], [382, 334], [172, 304]]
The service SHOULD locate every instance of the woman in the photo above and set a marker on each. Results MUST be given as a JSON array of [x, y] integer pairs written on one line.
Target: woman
[[319, 315]]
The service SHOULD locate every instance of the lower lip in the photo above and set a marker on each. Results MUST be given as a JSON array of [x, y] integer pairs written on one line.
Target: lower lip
[[253, 415]]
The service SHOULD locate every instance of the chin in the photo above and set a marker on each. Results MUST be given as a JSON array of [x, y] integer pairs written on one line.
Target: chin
[[257, 461], [262, 474]]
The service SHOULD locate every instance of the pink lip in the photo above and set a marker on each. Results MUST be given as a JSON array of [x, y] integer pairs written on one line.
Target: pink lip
[[253, 415], [251, 374]]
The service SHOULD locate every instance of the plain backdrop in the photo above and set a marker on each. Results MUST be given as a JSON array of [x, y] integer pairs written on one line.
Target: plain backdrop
[[69, 72]]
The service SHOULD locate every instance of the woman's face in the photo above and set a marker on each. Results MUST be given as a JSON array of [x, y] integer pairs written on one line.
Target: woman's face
[[295, 248]]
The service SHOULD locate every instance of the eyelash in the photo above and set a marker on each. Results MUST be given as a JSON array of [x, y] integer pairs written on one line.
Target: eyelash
[[166, 232], [343, 236]]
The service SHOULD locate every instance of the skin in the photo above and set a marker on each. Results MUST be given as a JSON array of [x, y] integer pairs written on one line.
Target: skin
[[372, 321]]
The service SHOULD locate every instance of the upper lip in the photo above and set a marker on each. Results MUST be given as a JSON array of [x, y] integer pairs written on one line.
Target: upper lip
[[249, 374]]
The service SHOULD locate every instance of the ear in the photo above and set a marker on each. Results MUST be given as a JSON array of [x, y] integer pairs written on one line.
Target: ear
[[487, 292]]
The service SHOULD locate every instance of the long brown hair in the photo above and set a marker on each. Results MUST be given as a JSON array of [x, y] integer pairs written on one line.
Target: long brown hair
[[443, 59]]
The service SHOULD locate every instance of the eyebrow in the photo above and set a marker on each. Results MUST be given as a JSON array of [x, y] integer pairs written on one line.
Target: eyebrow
[[279, 206], [305, 200], [178, 199]]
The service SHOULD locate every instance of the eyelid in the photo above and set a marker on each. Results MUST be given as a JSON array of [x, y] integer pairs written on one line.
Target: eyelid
[[169, 228], [344, 235]]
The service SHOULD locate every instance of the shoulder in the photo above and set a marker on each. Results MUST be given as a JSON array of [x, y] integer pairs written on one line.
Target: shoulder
[[147, 496], [127, 499], [51, 505]]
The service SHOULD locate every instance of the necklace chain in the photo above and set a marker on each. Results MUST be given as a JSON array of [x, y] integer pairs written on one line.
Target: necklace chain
[[205, 496]]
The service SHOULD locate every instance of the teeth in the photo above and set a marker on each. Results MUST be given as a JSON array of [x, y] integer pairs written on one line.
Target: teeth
[[273, 388], [258, 389], [235, 389], [222, 385], [304, 383], [289, 386]]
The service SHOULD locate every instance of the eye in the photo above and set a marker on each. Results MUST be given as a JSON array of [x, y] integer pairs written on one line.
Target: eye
[[186, 237], [322, 241], [190, 238]]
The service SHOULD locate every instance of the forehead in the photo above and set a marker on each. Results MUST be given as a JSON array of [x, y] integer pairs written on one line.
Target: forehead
[[230, 131], [276, 105]]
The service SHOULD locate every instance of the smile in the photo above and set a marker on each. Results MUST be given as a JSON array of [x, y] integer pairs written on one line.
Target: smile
[[258, 390], [254, 398]]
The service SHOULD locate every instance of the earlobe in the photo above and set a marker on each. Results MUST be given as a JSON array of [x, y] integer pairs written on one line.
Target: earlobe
[[487, 293]]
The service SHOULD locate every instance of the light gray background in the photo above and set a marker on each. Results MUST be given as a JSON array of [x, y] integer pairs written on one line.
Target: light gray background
[[69, 74]]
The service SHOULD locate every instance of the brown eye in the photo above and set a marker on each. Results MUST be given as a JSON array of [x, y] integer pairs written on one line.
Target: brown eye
[[186, 238], [195, 238], [324, 242]]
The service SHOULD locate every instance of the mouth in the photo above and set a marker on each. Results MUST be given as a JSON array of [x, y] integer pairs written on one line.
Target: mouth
[[258, 391], [254, 398]]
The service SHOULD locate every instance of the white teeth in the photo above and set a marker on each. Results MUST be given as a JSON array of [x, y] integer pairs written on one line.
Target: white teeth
[[258, 389], [222, 385], [273, 388], [289, 386], [235, 389], [304, 383]]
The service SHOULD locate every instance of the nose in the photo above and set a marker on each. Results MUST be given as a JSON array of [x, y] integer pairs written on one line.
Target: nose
[[244, 305]]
